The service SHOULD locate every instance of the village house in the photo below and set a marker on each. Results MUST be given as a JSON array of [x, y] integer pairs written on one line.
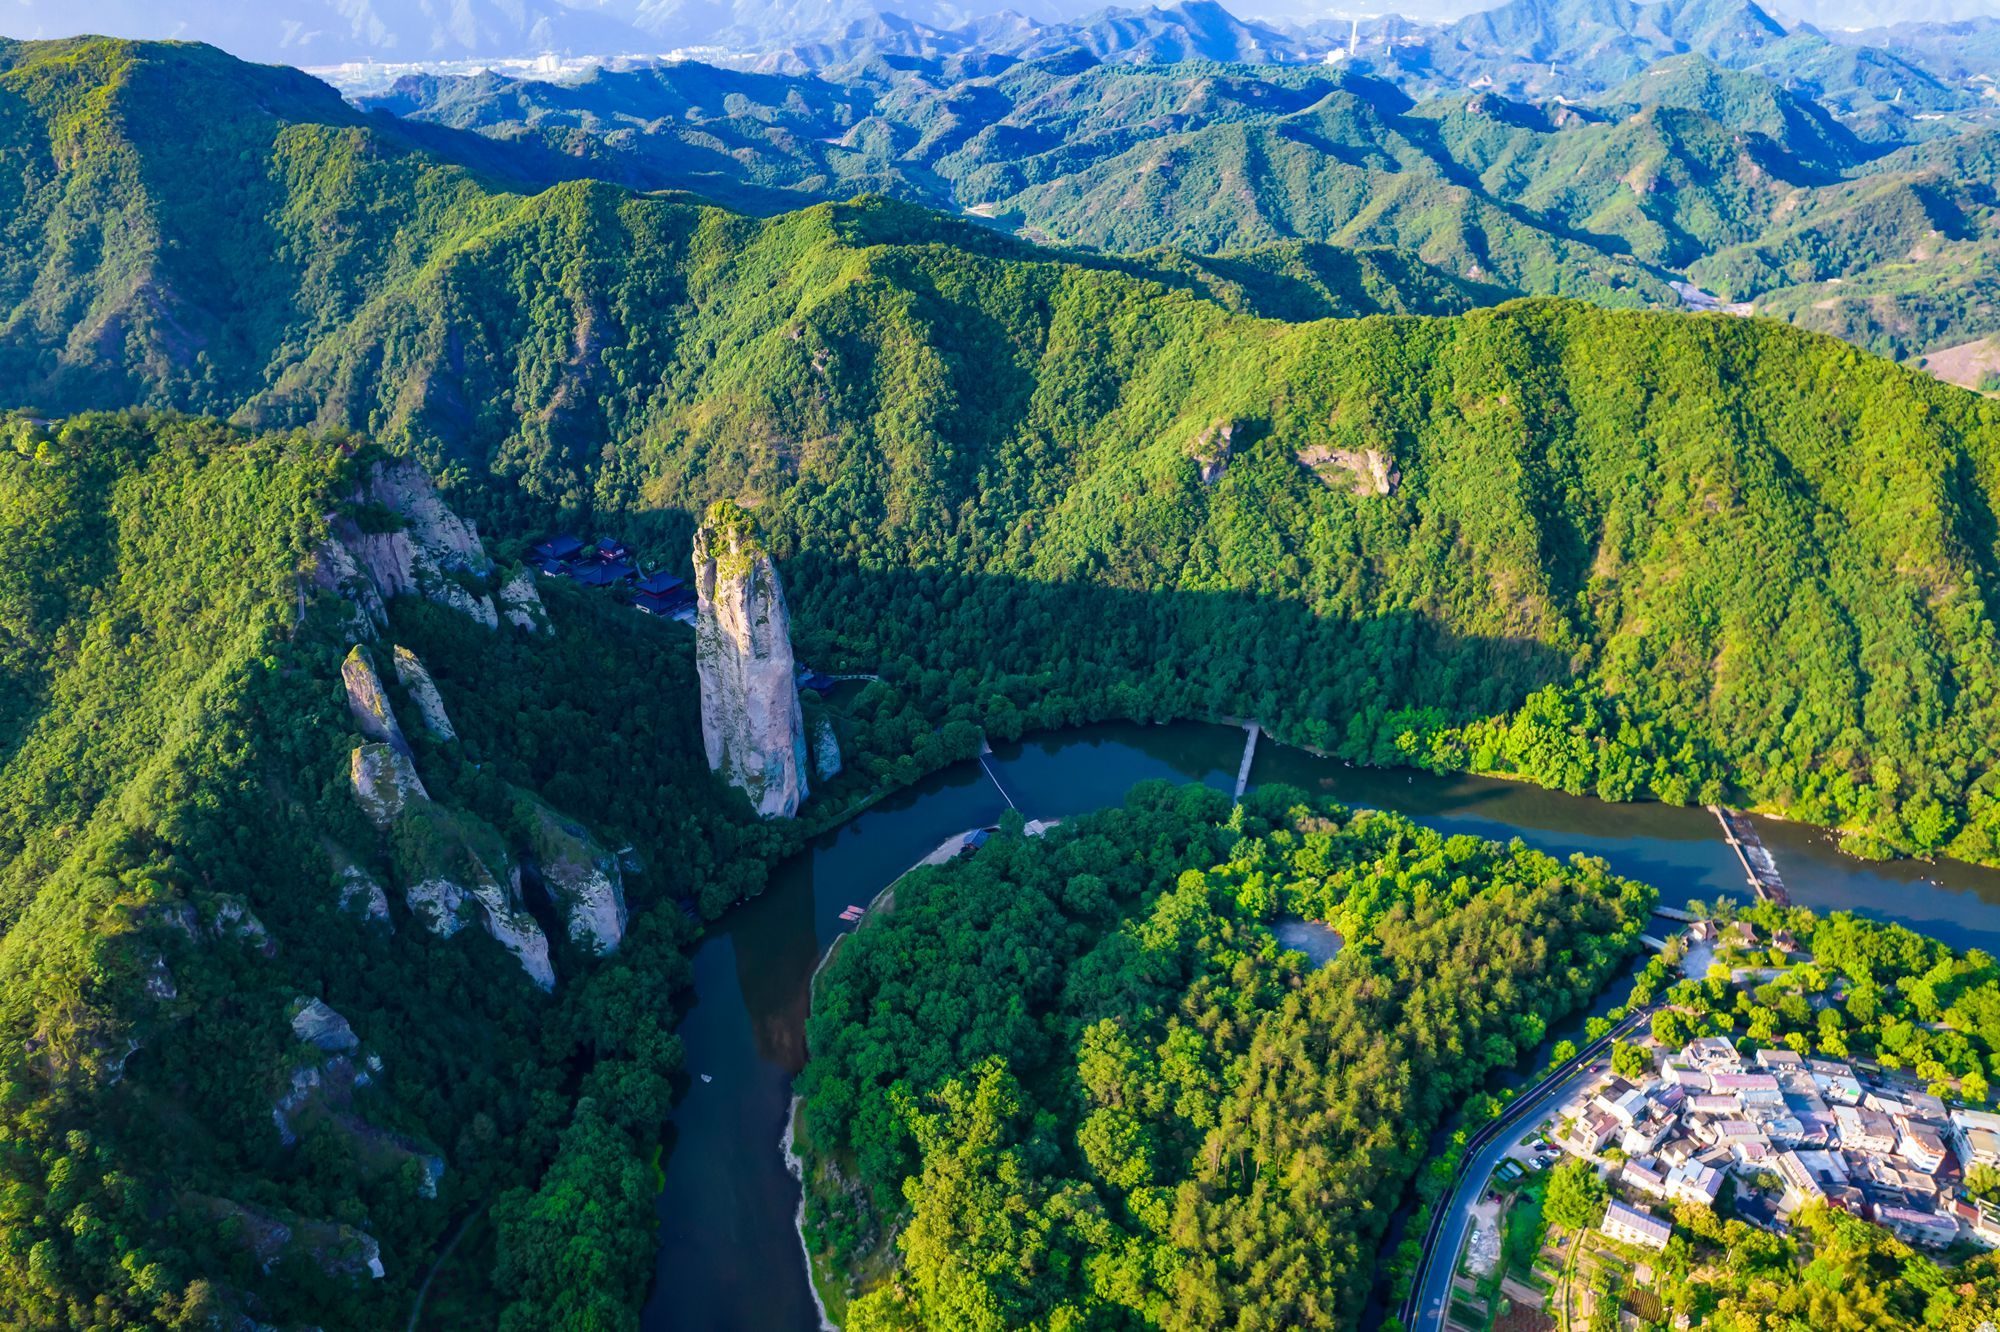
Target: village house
[[1750, 1088], [1802, 1187], [1865, 1130], [1921, 1145], [1694, 1182], [1975, 1136], [1925, 1228], [1680, 1073], [1589, 1133], [1645, 1176], [1836, 1081], [1628, 1225], [1712, 1055], [1779, 1061], [1981, 1220]]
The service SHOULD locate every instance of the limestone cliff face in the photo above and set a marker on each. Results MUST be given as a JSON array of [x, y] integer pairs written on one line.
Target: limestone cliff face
[[409, 544], [358, 890], [521, 604], [581, 876], [416, 680], [751, 721], [455, 869], [369, 702], [385, 782], [825, 749]]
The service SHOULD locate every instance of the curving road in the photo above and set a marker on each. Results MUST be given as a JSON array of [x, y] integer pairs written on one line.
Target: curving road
[[1430, 1292]]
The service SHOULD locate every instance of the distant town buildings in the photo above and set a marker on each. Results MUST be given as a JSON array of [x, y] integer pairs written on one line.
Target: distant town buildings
[[1884, 1151]]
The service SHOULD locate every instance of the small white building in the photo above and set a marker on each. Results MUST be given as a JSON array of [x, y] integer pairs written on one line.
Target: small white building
[[1975, 1136], [1629, 1225]]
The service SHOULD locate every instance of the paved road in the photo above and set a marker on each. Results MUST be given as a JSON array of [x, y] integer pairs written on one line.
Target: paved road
[[1432, 1291]]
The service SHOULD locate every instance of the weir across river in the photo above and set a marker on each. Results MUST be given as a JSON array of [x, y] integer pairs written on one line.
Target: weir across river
[[1253, 730], [1758, 868]]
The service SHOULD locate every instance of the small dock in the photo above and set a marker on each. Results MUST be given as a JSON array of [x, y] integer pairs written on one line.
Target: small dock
[[1675, 913], [1759, 870], [1252, 731]]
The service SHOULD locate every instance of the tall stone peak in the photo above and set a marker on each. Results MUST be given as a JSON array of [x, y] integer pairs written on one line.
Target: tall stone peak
[[751, 721]]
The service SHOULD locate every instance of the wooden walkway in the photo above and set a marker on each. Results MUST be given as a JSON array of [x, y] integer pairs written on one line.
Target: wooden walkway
[[1759, 870], [1249, 754]]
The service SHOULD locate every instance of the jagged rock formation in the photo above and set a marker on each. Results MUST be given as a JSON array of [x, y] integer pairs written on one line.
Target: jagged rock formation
[[399, 538], [416, 680], [751, 721], [825, 749], [521, 603], [315, 1022], [385, 782], [581, 876], [455, 866], [337, 1249], [368, 701], [1367, 472], [233, 919], [360, 892], [1210, 450]]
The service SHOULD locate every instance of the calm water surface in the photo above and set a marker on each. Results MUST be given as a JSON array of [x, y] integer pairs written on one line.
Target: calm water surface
[[729, 1257]]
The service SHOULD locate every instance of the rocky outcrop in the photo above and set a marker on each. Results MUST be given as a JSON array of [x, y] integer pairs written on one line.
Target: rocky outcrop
[[385, 782], [368, 701], [825, 749], [751, 722], [232, 918], [582, 878], [315, 1022], [269, 1237], [397, 537], [1210, 450], [521, 603], [1366, 472], [359, 891], [416, 680], [455, 867]]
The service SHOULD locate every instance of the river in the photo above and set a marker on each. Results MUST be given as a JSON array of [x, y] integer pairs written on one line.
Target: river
[[729, 1258]]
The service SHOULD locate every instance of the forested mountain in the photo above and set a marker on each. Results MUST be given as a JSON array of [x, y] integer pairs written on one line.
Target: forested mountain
[[1618, 552], [1689, 171], [1010, 421], [237, 1075]]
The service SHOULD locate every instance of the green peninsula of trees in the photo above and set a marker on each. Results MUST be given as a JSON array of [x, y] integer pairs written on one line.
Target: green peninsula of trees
[[1080, 1082]]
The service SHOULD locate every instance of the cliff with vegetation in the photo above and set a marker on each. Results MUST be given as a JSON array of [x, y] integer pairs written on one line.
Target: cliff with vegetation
[[751, 719], [244, 1083]]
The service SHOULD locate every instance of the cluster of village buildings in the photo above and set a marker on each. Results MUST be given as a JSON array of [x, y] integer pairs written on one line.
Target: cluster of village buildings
[[1823, 1130]]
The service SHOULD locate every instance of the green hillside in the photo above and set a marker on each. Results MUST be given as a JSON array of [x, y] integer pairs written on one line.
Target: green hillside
[[180, 858], [1759, 558], [1617, 552]]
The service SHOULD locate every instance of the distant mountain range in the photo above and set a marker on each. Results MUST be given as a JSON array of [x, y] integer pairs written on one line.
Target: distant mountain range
[[1526, 45]]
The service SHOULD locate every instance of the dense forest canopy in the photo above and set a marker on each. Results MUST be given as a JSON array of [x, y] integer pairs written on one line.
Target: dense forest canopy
[[1757, 186], [1080, 1083], [1747, 559], [177, 835], [1625, 554]]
